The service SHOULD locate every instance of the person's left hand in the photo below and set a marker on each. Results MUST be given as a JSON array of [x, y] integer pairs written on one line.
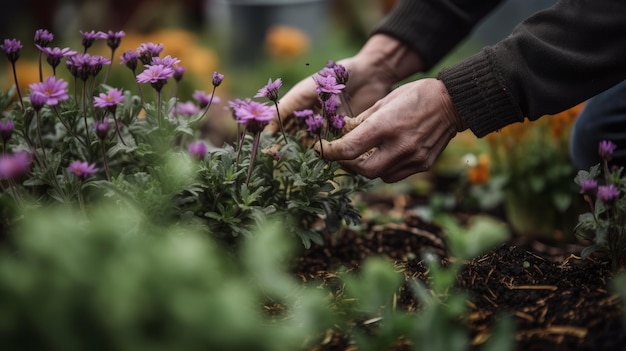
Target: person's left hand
[[402, 134]]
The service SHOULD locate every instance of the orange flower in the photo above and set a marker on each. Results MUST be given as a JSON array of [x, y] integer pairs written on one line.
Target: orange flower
[[479, 173], [286, 41]]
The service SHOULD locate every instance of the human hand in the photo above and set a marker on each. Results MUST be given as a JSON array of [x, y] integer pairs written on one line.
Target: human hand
[[402, 134], [373, 71]]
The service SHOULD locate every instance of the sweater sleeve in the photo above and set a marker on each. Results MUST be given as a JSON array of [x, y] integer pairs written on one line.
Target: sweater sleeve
[[434, 27], [554, 60]]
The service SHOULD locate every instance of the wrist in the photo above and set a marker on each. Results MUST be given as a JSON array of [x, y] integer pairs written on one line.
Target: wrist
[[390, 58]]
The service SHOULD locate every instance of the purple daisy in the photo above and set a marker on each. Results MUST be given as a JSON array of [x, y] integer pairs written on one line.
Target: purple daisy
[[306, 113], [6, 129], [315, 123], [202, 98], [110, 99], [82, 169], [54, 89], [90, 37], [198, 149], [14, 165], [270, 90], [38, 99], [43, 37], [114, 39], [608, 193], [101, 128], [588, 186], [337, 122], [249, 111], [155, 73], [54, 55], [130, 59], [11, 49], [167, 61], [606, 149], [217, 79], [147, 51], [179, 71], [187, 109], [327, 86]]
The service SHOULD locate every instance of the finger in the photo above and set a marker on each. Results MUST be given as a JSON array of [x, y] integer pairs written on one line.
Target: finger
[[353, 122], [350, 146]]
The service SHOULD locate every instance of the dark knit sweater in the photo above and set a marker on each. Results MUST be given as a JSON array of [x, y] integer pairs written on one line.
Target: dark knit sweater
[[554, 60]]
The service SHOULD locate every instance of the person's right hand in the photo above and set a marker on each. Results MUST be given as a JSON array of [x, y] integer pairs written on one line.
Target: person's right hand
[[382, 62]]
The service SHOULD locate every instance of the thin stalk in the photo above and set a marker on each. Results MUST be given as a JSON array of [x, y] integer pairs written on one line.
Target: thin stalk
[[40, 68], [17, 85], [280, 122], [43, 148], [344, 102], [85, 110], [255, 146], [104, 160]]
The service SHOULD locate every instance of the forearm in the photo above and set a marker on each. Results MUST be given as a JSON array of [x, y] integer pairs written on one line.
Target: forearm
[[554, 60], [392, 59], [432, 28]]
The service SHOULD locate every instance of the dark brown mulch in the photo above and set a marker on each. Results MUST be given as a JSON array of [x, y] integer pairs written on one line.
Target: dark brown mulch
[[558, 300]]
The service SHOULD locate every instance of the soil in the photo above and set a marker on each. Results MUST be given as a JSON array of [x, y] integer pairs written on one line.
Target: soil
[[558, 300]]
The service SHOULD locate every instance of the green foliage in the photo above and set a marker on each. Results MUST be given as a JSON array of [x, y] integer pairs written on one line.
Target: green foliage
[[604, 226], [441, 323], [103, 283]]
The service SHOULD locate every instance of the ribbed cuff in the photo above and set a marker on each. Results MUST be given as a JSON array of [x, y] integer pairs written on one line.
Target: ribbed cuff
[[480, 95]]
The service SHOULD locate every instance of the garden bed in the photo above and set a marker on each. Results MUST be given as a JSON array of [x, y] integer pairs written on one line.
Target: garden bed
[[557, 300]]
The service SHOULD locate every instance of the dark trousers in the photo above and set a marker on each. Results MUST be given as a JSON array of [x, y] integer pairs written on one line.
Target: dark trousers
[[602, 118]]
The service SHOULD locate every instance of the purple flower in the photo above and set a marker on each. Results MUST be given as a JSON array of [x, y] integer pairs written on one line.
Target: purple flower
[[101, 128], [82, 169], [147, 51], [303, 113], [110, 99], [270, 90], [11, 48], [14, 165], [249, 111], [6, 129], [54, 89], [187, 108], [38, 99], [167, 61], [330, 105], [608, 193], [588, 186], [337, 122], [84, 65], [341, 73], [198, 149], [315, 123], [606, 149], [114, 39], [155, 74], [54, 55], [217, 79], [178, 73], [202, 97], [326, 86], [43, 37], [130, 59], [90, 37]]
